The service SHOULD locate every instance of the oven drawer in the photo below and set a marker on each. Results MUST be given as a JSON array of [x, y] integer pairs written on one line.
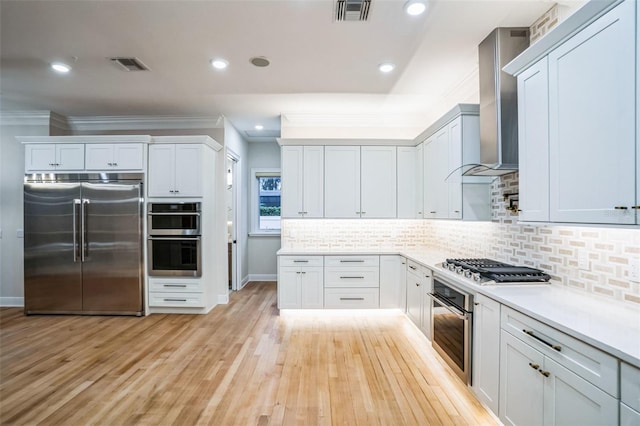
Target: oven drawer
[[301, 260], [175, 286], [595, 366], [352, 277], [351, 298], [177, 300], [352, 261]]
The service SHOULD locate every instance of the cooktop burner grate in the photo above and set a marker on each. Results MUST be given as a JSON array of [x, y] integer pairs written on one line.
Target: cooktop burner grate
[[497, 271]]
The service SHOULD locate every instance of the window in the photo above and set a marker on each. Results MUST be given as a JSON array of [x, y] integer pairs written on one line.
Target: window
[[266, 200]]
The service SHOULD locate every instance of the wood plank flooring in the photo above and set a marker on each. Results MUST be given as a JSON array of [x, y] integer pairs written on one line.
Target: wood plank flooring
[[242, 364]]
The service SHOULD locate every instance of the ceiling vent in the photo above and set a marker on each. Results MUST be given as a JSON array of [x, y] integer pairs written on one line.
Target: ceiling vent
[[352, 10], [130, 64]]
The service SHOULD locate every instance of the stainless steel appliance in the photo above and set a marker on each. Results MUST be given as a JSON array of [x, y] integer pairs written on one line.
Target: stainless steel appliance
[[83, 244], [174, 219], [452, 315], [492, 272], [174, 241]]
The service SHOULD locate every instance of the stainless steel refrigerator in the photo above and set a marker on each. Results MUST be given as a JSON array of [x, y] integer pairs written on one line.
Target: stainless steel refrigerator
[[83, 244]]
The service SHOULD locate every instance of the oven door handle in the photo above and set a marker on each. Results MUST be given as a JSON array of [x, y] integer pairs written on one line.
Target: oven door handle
[[461, 315], [194, 238], [175, 214]]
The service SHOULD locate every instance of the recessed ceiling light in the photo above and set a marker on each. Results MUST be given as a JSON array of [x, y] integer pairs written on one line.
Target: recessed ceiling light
[[386, 67], [259, 127], [219, 63], [415, 7], [260, 61], [60, 67]]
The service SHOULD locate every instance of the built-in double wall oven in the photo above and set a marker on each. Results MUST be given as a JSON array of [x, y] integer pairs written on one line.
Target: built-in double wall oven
[[451, 321], [174, 239]]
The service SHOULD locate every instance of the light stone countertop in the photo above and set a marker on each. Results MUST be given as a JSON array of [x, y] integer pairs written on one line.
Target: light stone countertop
[[608, 325]]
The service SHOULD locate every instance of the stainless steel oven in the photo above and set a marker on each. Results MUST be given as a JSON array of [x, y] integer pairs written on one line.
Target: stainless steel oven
[[174, 219], [452, 315], [174, 240]]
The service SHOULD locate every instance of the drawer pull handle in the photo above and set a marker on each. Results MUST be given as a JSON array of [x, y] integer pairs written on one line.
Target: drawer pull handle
[[352, 261], [635, 207], [412, 267], [530, 333], [355, 278], [620, 208], [544, 373], [175, 300], [300, 261], [433, 212], [175, 285], [352, 298], [534, 366]]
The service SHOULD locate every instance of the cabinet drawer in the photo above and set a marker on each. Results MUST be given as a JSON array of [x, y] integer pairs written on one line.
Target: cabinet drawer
[[352, 277], [630, 385], [590, 363], [351, 298], [301, 261], [354, 261], [414, 267], [175, 286], [183, 300]]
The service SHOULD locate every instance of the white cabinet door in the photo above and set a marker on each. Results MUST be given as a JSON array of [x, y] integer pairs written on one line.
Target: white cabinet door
[[99, 156], [40, 157], [378, 182], [592, 122], [313, 179], [430, 190], [70, 156], [289, 288], [533, 142], [571, 400], [407, 182], [521, 384], [453, 176], [188, 166], [414, 298], [486, 351], [292, 181], [427, 287], [419, 170], [628, 416], [342, 181], [391, 282], [312, 288], [436, 189], [128, 156], [162, 170]]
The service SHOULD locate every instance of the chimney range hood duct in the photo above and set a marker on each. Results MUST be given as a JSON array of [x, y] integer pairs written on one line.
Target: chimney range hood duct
[[498, 102]]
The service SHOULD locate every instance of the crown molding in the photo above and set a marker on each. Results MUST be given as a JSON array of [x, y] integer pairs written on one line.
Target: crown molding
[[133, 122], [373, 120], [25, 118]]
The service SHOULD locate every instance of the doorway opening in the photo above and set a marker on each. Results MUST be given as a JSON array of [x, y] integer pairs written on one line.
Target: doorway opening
[[232, 218]]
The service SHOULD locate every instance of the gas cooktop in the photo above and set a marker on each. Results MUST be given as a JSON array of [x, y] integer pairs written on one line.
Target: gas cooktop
[[487, 271]]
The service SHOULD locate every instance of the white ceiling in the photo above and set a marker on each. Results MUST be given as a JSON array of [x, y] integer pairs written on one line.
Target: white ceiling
[[319, 68]]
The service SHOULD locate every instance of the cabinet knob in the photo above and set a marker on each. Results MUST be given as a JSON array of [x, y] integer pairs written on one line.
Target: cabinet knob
[[432, 212], [115, 164], [171, 191], [176, 191], [456, 211], [417, 284], [109, 164]]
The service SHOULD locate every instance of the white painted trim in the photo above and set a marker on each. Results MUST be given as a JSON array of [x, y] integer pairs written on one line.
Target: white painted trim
[[254, 204], [223, 299], [204, 139], [28, 118], [85, 139], [244, 282], [263, 277], [17, 302], [345, 141], [372, 120], [121, 122]]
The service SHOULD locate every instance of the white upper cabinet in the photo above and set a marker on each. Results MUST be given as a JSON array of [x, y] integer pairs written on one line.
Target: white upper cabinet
[[452, 143], [407, 182], [302, 181], [378, 182], [592, 119], [533, 142], [125, 156], [48, 157], [175, 170], [342, 182], [419, 179]]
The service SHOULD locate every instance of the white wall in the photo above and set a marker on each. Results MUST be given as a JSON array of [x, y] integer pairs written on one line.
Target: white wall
[[262, 249], [11, 201]]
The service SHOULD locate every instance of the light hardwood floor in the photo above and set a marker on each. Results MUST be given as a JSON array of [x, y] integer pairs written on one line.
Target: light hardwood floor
[[242, 364]]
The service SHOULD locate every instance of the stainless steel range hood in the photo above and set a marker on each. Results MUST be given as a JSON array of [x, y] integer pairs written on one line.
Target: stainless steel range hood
[[498, 102]]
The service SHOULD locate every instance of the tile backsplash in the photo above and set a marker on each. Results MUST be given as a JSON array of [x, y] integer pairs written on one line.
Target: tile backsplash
[[609, 252]]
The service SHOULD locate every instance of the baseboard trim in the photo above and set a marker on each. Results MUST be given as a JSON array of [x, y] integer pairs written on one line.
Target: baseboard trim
[[223, 299], [12, 302], [244, 282], [263, 277]]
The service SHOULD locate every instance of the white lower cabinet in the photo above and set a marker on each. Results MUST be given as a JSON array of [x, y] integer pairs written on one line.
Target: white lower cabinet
[[486, 351], [629, 416], [351, 298], [352, 282], [392, 282], [629, 395], [300, 287], [414, 293], [176, 293], [539, 380], [427, 287]]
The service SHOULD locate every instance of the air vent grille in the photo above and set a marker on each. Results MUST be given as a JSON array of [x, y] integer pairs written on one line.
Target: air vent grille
[[130, 64], [352, 10]]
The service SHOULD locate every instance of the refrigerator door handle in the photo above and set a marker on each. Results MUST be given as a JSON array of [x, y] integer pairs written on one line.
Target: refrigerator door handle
[[83, 230], [76, 204]]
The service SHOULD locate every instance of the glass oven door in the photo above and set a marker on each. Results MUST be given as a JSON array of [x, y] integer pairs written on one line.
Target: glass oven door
[[174, 256]]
